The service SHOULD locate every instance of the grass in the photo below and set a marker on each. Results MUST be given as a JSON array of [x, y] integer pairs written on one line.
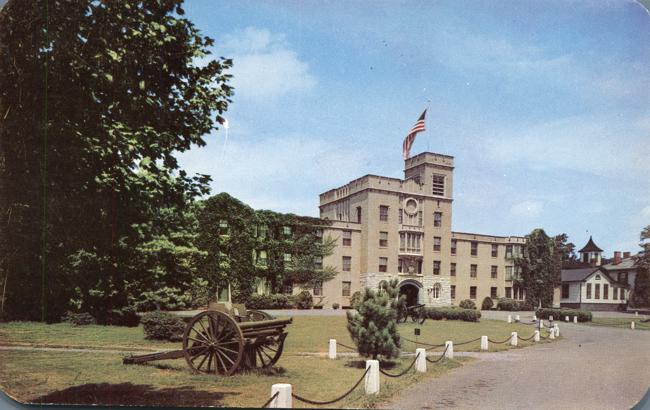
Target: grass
[[87, 377], [619, 322]]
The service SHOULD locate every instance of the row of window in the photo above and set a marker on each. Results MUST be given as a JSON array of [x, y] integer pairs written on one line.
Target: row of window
[[615, 292], [405, 218], [518, 293]]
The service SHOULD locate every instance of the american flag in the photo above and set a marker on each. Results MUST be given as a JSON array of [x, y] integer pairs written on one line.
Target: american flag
[[410, 138]]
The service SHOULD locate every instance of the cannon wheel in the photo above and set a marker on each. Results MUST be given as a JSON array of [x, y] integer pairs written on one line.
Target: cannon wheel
[[258, 315], [269, 350], [213, 343]]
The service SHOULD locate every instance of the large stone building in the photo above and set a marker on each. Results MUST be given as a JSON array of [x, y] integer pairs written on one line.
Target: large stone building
[[393, 228]]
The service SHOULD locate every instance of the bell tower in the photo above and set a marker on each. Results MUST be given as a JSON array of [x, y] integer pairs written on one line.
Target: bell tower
[[591, 253]]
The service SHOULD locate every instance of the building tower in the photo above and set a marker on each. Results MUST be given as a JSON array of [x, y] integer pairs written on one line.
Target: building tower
[[591, 253]]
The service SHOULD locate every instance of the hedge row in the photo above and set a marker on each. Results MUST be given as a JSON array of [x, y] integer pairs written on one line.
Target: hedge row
[[514, 305], [560, 314], [467, 315], [303, 300]]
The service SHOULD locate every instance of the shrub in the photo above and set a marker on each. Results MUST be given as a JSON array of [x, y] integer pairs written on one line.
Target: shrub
[[560, 314], [514, 305], [373, 327], [304, 300], [198, 293], [276, 301], [526, 305], [163, 326], [127, 316], [79, 319], [487, 303], [165, 298], [467, 304], [355, 299], [335, 305], [466, 315]]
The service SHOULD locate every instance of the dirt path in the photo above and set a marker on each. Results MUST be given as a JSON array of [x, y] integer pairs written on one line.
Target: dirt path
[[592, 367]]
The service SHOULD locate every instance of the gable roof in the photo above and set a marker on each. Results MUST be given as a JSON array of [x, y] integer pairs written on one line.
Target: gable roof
[[625, 264], [577, 275], [590, 247]]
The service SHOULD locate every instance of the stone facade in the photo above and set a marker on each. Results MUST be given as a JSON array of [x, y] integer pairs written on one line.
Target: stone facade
[[393, 228]]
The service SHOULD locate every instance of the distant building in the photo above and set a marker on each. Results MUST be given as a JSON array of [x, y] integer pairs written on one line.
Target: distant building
[[591, 285], [392, 228]]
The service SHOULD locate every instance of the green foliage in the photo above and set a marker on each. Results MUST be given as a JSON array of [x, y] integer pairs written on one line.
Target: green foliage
[[541, 265], [466, 315], [560, 314], [335, 305], [640, 297], [303, 300], [97, 100], [79, 319], [356, 298], [487, 304], [513, 305], [163, 326], [374, 326], [126, 316], [164, 298], [274, 301], [199, 293], [467, 304]]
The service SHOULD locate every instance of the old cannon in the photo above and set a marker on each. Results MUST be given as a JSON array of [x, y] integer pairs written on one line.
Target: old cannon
[[222, 340]]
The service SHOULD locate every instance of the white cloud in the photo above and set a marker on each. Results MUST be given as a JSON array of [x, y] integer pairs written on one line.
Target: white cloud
[[264, 65], [527, 209]]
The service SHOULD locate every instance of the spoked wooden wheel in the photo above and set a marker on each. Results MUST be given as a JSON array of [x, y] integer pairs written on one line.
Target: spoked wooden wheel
[[268, 350], [213, 343]]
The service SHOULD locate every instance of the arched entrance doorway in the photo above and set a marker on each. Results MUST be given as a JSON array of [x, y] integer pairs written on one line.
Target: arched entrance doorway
[[412, 291]]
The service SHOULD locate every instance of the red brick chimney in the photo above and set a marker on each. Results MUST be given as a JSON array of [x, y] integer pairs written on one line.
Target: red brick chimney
[[626, 255], [617, 257]]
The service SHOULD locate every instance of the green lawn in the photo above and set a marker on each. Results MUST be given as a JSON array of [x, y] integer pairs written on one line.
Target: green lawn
[[101, 377], [620, 322]]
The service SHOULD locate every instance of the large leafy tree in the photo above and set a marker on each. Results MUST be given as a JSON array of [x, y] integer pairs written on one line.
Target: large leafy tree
[[97, 97], [641, 295], [540, 267]]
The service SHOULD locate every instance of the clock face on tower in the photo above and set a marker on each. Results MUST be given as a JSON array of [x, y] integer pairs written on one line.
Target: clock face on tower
[[410, 206]]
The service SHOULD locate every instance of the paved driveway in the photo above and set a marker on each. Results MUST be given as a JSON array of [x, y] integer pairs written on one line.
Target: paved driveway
[[591, 368]]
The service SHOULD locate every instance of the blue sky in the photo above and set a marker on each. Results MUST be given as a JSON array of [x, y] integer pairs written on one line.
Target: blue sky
[[544, 105]]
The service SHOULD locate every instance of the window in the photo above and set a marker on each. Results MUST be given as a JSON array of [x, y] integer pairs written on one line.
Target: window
[[495, 250], [263, 231], [287, 289], [287, 257], [509, 292], [437, 219], [472, 292], [436, 291], [597, 277], [472, 271], [286, 230], [383, 239], [318, 233], [383, 264], [400, 216], [452, 290], [615, 293], [452, 269], [383, 213], [410, 242], [474, 250], [509, 251], [318, 262], [420, 218], [347, 263], [347, 238], [261, 258], [438, 185], [565, 291], [318, 289], [493, 272], [345, 288], [453, 246], [597, 291], [588, 290], [493, 292], [605, 291], [508, 272], [436, 243], [436, 267], [359, 214], [622, 294]]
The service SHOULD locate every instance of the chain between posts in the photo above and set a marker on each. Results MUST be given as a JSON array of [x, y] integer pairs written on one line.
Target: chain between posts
[[442, 356], [345, 346], [265, 405], [344, 395], [498, 343], [525, 339], [467, 342], [385, 373], [421, 343]]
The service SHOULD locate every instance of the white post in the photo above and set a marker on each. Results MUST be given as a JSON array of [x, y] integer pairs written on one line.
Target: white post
[[534, 318], [509, 318], [575, 319], [517, 318], [372, 377], [631, 325], [513, 339], [636, 313], [566, 319], [484, 343], [536, 336], [421, 360], [449, 353], [283, 401], [552, 333], [557, 330], [550, 318], [332, 352]]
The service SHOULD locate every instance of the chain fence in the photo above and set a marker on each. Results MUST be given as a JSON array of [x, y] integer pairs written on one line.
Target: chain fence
[[467, 342], [345, 346], [341, 397], [525, 338], [442, 356], [500, 342], [265, 405], [402, 373]]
